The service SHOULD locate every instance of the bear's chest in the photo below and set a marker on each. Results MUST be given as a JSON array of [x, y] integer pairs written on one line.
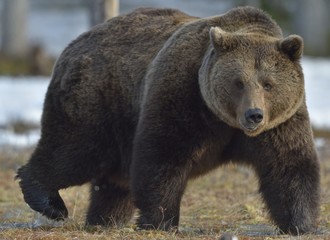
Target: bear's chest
[[208, 157]]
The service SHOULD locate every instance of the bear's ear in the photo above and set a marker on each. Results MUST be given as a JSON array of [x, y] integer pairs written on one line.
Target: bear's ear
[[220, 39], [292, 46]]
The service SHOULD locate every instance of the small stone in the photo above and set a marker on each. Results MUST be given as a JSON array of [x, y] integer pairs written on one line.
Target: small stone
[[228, 236]]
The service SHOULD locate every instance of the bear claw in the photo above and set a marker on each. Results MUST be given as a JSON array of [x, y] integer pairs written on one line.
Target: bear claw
[[48, 202]]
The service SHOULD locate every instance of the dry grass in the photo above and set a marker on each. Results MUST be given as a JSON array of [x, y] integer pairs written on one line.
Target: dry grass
[[223, 201]]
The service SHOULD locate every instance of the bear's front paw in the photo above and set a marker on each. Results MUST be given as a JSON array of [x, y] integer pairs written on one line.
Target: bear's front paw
[[48, 202]]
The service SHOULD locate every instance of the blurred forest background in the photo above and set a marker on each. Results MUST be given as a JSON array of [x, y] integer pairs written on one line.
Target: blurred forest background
[[33, 32]]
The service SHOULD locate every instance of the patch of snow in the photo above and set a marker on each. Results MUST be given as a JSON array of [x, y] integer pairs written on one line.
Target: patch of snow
[[29, 138], [21, 98], [317, 85]]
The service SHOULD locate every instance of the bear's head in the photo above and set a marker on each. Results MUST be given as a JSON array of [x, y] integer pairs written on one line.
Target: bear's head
[[252, 81]]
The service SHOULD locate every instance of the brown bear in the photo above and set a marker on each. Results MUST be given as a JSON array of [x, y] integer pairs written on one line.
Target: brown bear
[[144, 102]]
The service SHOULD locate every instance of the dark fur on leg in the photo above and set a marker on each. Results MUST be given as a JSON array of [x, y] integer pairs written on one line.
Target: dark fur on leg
[[292, 196], [110, 205], [158, 195]]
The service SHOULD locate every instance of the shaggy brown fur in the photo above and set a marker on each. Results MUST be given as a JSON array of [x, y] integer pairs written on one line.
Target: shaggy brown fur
[[142, 103]]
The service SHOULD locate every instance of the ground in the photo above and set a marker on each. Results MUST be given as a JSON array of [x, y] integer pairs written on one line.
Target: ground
[[226, 200]]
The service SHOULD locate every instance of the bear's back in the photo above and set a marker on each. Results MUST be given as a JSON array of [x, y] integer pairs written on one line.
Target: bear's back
[[127, 42], [112, 58]]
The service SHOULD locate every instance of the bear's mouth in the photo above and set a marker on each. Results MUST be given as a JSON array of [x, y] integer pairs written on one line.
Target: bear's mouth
[[248, 127]]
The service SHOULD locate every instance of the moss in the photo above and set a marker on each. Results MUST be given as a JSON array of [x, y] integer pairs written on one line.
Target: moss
[[22, 127], [24, 66], [321, 132], [10, 66]]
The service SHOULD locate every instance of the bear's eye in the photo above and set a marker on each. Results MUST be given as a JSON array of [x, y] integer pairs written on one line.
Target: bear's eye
[[239, 84], [268, 86]]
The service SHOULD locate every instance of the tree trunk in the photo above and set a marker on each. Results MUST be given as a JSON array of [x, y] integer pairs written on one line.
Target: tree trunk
[[310, 19], [14, 37], [101, 10]]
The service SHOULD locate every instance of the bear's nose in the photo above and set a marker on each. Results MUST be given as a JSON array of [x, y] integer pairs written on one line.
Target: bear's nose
[[254, 115]]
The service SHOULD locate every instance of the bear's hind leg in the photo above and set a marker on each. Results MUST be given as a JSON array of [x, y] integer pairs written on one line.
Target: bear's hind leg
[[52, 168], [111, 205]]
